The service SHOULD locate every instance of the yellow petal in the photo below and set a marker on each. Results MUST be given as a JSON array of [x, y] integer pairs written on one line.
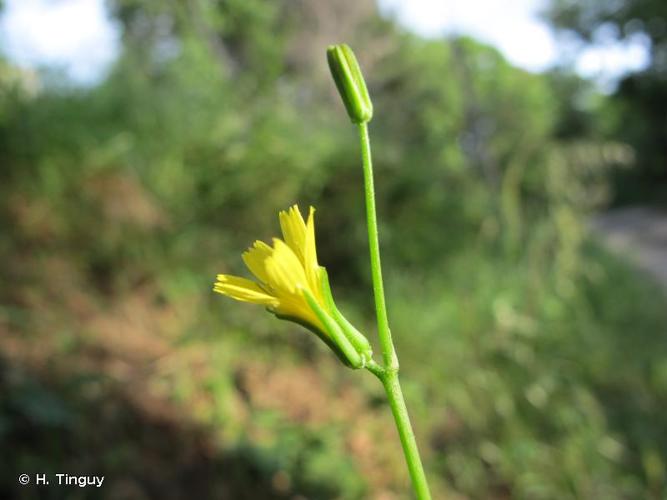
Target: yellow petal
[[310, 257], [284, 269], [255, 258], [294, 230], [297, 307], [243, 290]]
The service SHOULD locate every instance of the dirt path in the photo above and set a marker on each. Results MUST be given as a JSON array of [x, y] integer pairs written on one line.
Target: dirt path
[[640, 233]]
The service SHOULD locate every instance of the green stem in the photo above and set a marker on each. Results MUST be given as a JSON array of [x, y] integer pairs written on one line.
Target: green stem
[[388, 374], [395, 396], [388, 351]]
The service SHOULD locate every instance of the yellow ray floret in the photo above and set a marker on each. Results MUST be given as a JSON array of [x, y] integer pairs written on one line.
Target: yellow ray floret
[[284, 271]]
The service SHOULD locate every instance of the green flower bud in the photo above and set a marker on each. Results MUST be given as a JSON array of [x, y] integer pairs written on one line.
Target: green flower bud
[[350, 82]]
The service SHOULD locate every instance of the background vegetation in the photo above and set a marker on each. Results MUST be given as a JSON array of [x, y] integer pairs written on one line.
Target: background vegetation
[[535, 363]]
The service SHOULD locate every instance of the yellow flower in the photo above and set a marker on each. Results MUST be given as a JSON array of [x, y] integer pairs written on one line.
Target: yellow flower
[[293, 286], [284, 272]]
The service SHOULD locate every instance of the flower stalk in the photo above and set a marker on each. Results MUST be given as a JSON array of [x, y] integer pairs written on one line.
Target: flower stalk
[[291, 284], [388, 374], [352, 88]]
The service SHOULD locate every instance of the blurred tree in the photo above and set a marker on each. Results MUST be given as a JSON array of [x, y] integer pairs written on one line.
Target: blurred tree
[[621, 19], [640, 101], [580, 105]]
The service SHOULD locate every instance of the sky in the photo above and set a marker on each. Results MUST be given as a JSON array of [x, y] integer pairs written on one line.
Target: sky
[[78, 36], [74, 35]]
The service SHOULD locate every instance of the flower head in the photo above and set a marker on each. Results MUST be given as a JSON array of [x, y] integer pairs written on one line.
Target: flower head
[[283, 271], [293, 286]]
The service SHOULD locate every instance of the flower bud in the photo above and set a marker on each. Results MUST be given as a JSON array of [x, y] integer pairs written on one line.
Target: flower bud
[[350, 82]]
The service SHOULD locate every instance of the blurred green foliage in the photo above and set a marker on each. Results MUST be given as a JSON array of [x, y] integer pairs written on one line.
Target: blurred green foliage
[[637, 110], [536, 363]]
